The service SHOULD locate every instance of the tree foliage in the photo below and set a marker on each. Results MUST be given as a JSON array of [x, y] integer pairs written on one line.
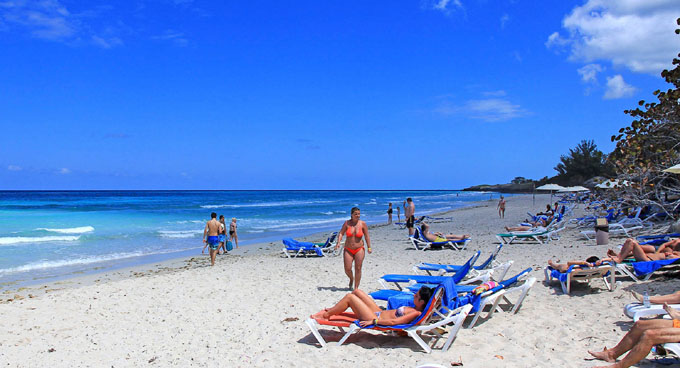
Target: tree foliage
[[582, 163], [651, 144]]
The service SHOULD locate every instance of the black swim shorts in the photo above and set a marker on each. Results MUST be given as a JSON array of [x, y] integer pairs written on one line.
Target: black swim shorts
[[410, 221]]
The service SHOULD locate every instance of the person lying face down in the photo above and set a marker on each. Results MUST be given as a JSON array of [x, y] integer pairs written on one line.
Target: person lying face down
[[370, 313], [439, 237]]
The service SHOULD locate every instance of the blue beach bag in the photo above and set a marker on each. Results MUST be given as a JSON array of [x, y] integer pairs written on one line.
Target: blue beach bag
[[229, 246]]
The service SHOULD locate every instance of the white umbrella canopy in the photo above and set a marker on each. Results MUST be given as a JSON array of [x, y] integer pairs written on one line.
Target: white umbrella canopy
[[550, 187], [577, 188], [674, 169]]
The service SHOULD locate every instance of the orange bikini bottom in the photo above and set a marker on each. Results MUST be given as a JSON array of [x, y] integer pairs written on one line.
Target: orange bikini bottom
[[354, 251], [676, 323]]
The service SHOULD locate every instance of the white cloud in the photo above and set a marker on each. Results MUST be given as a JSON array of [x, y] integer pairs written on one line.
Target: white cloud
[[64, 171], [638, 35], [499, 93], [504, 20], [14, 168], [175, 37], [447, 5], [589, 72], [618, 88], [490, 109]]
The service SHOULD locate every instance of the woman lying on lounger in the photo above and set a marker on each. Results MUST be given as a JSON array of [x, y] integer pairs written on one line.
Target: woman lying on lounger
[[439, 237], [642, 252], [589, 262], [370, 313]]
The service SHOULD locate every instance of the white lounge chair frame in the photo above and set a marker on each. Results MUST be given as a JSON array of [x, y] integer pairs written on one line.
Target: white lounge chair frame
[[502, 296], [586, 274]]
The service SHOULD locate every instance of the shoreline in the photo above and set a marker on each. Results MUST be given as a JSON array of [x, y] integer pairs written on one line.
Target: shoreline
[[32, 288]]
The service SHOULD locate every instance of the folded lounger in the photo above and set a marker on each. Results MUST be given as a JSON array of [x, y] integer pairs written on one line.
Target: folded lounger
[[582, 273], [431, 321], [643, 270], [441, 269], [420, 243], [458, 276]]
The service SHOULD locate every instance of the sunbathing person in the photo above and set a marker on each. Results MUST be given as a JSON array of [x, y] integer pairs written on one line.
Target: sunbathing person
[[439, 237], [641, 252], [534, 225], [589, 262], [370, 313], [641, 338]]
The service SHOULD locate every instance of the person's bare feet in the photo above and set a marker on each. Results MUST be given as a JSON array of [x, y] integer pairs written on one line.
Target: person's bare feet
[[551, 263], [603, 355], [637, 296], [671, 312], [351, 282], [611, 253]]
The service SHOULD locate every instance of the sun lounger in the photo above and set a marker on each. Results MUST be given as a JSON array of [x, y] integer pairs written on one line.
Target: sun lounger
[[637, 310], [441, 269], [579, 273], [398, 279], [642, 271], [431, 322], [295, 248]]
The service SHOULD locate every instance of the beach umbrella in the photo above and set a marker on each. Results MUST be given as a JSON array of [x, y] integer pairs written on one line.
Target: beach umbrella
[[552, 188], [674, 169], [573, 189]]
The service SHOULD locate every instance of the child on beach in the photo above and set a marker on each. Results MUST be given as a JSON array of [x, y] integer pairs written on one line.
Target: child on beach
[[389, 214], [223, 236]]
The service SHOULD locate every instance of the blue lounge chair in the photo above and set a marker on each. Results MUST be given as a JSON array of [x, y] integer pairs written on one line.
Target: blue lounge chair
[[642, 271], [294, 248], [441, 269], [457, 277]]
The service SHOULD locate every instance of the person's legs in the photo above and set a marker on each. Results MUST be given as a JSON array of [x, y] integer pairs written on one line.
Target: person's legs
[[644, 345], [389, 218], [358, 262], [348, 258], [660, 299], [363, 311], [558, 266], [213, 253], [236, 240], [367, 300], [456, 237], [632, 338]]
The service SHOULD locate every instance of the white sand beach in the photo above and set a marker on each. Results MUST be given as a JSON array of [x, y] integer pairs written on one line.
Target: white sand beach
[[249, 310]]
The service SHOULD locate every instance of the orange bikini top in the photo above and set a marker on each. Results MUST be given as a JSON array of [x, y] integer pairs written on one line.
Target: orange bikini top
[[359, 233]]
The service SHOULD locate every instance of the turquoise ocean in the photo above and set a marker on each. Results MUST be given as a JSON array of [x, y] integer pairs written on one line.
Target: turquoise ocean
[[48, 235]]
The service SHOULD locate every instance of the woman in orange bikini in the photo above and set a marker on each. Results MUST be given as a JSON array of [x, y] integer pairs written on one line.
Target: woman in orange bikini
[[356, 230]]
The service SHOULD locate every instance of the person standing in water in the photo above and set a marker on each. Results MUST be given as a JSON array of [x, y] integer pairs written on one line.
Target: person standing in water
[[501, 208], [356, 230], [389, 213], [212, 230], [233, 236], [398, 214]]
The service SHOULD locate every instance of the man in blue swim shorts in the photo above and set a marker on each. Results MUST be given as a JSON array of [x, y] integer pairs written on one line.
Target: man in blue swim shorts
[[212, 230]]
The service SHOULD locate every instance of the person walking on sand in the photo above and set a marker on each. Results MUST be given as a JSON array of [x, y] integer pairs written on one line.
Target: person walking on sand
[[410, 215], [389, 213], [501, 208], [223, 236], [355, 230], [398, 214], [233, 236], [212, 230]]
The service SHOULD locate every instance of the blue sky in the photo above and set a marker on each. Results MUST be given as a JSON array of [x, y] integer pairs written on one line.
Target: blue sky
[[162, 94]]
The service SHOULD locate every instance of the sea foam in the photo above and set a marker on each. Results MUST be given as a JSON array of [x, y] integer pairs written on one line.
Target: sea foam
[[39, 239], [69, 230]]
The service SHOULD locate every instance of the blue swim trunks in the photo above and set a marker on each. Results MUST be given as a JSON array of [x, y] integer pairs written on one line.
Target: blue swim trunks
[[222, 238], [213, 242]]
